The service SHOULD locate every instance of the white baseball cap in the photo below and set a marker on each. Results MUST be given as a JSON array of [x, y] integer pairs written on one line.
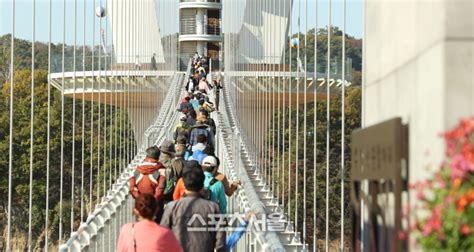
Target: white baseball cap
[[209, 161]]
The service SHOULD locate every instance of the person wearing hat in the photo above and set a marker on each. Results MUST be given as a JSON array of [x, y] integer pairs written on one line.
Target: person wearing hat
[[198, 129], [148, 177], [216, 187], [182, 129], [229, 188], [186, 102], [167, 153], [203, 116]]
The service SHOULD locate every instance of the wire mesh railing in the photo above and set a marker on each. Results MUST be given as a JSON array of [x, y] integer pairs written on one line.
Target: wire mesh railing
[[101, 229]]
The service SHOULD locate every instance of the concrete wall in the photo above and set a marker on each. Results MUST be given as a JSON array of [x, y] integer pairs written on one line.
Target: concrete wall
[[419, 64]]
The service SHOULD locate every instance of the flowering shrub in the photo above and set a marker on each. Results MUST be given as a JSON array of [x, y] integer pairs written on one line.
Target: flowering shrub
[[449, 195]]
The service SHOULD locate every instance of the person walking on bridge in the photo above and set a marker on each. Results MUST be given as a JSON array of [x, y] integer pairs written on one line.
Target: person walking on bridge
[[198, 129], [215, 187], [149, 177], [204, 117], [153, 62], [146, 235], [218, 87], [183, 217], [203, 87]]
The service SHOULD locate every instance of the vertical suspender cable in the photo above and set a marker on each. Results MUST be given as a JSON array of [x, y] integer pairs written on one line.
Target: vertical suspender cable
[[10, 156], [305, 119], [315, 121], [73, 117], [83, 137], [62, 128], [92, 118], [122, 90], [297, 119], [272, 90], [48, 134], [289, 118], [129, 53], [283, 116], [278, 115], [112, 89], [106, 82], [114, 33], [328, 121], [343, 123], [32, 124], [99, 124]]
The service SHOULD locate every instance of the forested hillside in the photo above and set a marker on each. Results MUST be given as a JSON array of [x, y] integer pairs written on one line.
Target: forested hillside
[[93, 167]]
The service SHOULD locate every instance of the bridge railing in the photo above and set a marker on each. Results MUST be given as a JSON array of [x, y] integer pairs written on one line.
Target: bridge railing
[[100, 230], [246, 199]]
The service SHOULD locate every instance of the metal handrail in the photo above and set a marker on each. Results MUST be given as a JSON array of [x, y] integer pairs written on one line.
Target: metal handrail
[[114, 210], [248, 199], [197, 1]]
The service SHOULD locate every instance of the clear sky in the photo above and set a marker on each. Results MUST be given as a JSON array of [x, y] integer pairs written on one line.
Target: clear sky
[[23, 17]]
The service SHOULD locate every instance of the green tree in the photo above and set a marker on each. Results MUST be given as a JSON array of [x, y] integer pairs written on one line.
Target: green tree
[[21, 152]]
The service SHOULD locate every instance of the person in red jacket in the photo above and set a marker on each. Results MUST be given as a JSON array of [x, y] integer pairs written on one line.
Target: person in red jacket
[[149, 177]]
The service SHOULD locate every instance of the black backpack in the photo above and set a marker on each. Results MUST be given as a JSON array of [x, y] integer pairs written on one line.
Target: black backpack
[[206, 192]]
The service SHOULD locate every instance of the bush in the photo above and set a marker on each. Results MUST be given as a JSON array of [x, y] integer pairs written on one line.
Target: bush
[[449, 195]]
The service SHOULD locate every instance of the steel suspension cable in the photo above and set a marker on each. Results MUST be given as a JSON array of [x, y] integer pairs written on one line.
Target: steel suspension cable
[[279, 126], [73, 117], [62, 128], [32, 118], [289, 120], [48, 134], [106, 81], [315, 133], [328, 103], [83, 103], [343, 112], [91, 169], [110, 105], [297, 120], [283, 116], [272, 113], [10, 154], [114, 74], [305, 122], [99, 123], [106, 101]]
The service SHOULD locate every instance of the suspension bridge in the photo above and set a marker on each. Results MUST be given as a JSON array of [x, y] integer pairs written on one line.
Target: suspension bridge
[[89, 85]]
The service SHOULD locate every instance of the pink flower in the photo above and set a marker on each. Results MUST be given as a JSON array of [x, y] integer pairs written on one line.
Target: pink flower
[[440, 181], [420, 195], [460, 167], [465, 229], [427, 229]]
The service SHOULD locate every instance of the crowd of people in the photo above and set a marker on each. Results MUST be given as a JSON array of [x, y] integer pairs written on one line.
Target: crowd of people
[[180, 180]]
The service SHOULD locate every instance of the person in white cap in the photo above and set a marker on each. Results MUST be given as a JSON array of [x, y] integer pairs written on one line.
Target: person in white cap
[[216, 188]]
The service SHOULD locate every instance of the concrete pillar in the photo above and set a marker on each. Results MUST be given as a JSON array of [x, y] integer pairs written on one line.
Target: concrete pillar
[[418, 65], [200, 21], [201, 48]]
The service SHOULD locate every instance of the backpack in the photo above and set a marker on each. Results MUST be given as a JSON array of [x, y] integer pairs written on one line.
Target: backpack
[[152, 177], [206, 192], [172, 175], [184, 130]]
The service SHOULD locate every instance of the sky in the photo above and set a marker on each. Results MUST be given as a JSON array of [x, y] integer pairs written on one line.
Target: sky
[[23, 18]]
